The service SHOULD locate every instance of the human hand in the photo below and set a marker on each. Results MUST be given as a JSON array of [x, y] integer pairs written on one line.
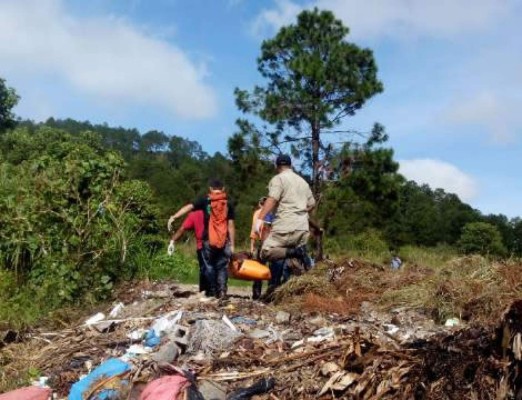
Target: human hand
[[232, 248], [171, 221], [171, 248]]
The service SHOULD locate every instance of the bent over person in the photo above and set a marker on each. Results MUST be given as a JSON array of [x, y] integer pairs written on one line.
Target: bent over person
[[290, 195], [195, 221], [218, 235]]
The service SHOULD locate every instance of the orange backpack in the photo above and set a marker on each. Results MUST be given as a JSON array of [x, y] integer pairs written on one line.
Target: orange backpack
[[218, 222]]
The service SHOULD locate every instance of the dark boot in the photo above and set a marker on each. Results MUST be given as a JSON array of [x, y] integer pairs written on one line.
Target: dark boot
[[256, 290]]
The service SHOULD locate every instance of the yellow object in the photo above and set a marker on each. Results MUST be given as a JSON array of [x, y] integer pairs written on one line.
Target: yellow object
[[249, 270]]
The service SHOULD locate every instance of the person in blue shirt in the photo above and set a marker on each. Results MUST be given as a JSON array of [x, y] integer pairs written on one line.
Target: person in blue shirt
[[396, 263]]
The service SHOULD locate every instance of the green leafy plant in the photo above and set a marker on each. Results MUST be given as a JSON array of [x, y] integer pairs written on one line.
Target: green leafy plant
[[481, 238], [69, 216]]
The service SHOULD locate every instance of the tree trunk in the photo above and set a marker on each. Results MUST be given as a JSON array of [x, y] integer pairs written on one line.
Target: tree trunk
[[315, 159], [316, 184]]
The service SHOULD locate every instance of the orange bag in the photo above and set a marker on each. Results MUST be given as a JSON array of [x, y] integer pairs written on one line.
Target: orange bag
[[218, 223], [249, 270]]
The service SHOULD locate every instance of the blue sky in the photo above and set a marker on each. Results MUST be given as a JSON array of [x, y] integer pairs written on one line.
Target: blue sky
[[452, 71]]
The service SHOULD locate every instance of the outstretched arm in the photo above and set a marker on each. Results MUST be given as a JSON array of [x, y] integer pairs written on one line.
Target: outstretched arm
[[182, 211], [178, 234]]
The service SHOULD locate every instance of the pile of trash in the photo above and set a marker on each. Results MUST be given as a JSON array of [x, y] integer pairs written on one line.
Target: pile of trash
[[168, 343]]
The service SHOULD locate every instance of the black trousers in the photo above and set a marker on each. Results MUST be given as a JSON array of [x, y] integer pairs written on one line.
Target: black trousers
[[216, 268], [203, 281]]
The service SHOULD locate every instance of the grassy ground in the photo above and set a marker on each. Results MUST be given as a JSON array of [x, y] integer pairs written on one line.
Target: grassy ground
[[437, 281], [26, 306], [182, 266], [434, 279]]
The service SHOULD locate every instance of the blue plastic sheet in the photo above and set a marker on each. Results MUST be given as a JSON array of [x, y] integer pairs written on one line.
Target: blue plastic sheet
[[113, 367], [151, 339]]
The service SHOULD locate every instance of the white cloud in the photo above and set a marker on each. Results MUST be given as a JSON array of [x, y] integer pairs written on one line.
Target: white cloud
[[439, 174], [284, 14], [486, 95], [376, 18], [498, 114], [107, 58]]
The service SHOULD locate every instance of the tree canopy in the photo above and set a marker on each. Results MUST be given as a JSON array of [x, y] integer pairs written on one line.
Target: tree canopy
[[314, 78], [8, 100]]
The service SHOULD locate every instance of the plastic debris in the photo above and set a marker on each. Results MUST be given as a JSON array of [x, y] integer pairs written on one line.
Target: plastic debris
[[135, 350], [116, 310], [104, 326], [137, 334], [260, 387], [209, 336], [329, 350], [165, 388], [259, 334], [27, 393], [41, 382], [151, 338], [452, 322], [95, 318], [166, 322], [243, 321], [391, 328], [229, 323], [104, 383], [159, 294], [325, 332]]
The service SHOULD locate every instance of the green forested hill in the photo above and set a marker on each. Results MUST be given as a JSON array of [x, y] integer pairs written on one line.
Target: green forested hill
[[83, 206], [371, 195]]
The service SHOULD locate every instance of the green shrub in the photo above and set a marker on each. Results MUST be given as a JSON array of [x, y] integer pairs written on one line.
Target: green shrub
[[69, 219], [368, 244], [481, 238]]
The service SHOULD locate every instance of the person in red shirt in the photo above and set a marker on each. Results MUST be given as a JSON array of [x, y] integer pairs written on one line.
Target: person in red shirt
[[195, 221]]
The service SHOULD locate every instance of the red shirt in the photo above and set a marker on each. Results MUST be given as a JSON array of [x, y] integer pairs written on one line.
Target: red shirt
[[195, 221]]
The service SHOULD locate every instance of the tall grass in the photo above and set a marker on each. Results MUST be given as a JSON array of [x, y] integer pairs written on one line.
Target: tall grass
[[428, 256], [471, 288]]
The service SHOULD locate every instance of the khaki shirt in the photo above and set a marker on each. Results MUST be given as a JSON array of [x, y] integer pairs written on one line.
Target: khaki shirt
[[294, 198]]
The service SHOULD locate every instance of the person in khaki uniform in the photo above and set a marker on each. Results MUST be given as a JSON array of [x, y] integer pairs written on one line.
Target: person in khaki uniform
[[292, 199]]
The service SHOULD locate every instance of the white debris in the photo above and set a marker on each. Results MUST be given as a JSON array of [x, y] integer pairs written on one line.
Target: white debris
[[95, 318]]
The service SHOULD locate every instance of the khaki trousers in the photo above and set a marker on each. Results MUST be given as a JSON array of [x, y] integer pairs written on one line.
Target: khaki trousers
[[275, 246]]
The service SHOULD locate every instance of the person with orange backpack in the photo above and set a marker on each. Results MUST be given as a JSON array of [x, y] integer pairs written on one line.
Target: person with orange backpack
[[218, 235]]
